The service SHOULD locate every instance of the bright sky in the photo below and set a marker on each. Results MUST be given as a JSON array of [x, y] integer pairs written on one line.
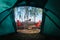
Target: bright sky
[[22, 11]]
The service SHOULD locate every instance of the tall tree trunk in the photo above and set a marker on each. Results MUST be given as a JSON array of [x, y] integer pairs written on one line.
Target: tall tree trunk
[[26, 16], [34, 17], [34, 14]]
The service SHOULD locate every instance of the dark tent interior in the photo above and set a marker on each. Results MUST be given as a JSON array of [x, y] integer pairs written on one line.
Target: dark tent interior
[[50, 26]]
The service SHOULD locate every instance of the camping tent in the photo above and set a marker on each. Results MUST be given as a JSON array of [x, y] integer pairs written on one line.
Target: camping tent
[[50, 25]]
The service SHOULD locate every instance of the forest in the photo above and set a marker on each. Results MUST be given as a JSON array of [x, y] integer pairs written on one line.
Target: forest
[[27, 17]]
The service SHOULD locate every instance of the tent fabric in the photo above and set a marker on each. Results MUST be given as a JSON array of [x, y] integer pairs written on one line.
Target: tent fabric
[[52, 18], [6, 25], [5, 4]]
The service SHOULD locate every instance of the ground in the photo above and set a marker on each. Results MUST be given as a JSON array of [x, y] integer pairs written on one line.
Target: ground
[[29, 31]]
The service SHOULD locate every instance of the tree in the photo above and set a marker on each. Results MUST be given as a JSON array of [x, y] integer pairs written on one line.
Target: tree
[[34, 11]]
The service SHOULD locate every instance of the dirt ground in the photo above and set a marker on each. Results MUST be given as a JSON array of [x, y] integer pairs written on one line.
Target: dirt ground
[[29, 31]]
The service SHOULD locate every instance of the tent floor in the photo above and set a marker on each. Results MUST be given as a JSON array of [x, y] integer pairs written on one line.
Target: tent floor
[[20, 36]]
